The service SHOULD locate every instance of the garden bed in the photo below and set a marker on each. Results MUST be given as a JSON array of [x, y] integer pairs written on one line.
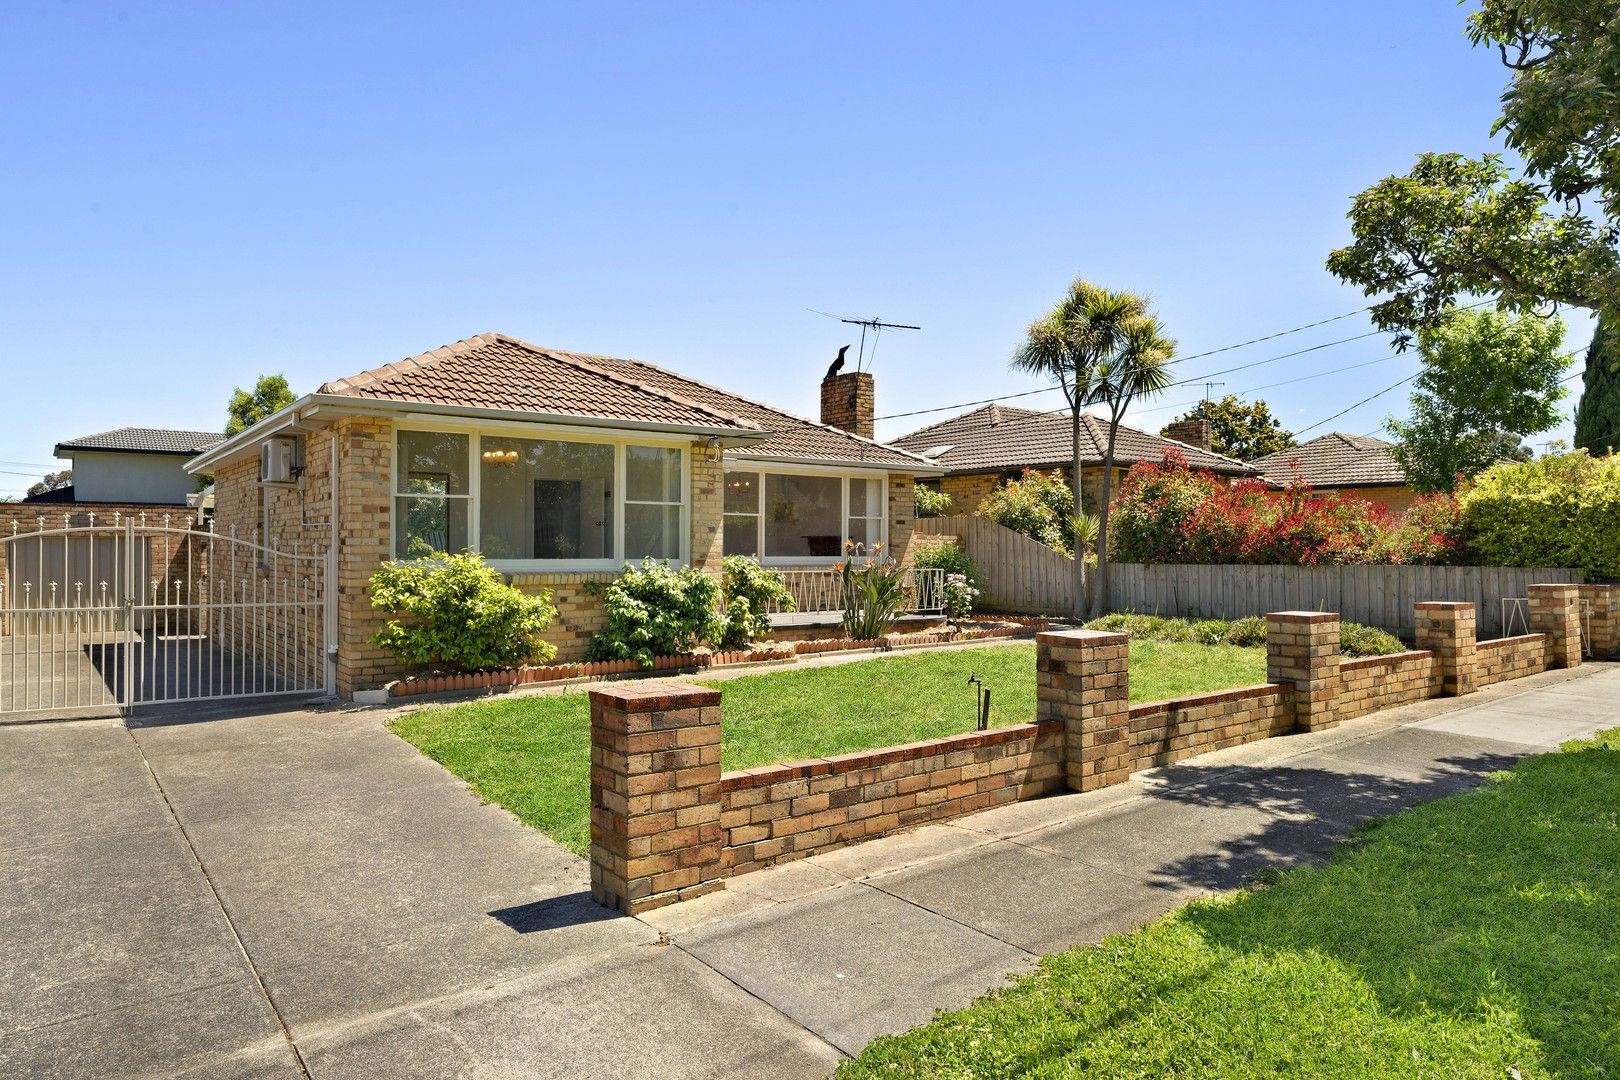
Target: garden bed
[[764, 653]]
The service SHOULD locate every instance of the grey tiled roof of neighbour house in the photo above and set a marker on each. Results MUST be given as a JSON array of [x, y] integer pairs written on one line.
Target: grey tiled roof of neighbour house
[[494, 371], [1334, 460], [1003, 437], [139, 440]]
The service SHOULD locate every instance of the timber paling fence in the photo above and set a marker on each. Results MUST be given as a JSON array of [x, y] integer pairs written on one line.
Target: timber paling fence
[[1024, 576]]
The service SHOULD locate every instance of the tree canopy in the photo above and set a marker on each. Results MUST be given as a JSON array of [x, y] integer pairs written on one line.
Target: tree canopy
[[1488, 378], [1455, 225], [1597, 418], [246, 408], [52, 481], [1241, 429]]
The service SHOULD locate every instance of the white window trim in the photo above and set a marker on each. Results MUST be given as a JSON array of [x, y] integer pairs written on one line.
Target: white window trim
[[844, 477], [474, 496]]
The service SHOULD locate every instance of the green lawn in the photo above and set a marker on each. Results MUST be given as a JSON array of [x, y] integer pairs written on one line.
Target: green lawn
[[1478, 936], [531, 754]]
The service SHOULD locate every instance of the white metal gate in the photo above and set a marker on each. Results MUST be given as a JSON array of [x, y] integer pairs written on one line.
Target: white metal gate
[[99, 617]]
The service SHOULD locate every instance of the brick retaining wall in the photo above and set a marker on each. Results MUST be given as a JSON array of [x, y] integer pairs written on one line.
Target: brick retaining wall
[[666, 825]]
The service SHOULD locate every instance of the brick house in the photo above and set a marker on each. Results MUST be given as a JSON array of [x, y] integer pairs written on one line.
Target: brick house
[[558, 467], [1357, 465], [983, 449]]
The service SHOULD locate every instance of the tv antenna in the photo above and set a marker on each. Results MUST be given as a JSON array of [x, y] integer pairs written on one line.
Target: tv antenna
[[875, 325], [1209, 385]]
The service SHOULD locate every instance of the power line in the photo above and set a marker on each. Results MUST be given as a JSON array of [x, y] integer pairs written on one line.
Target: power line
[[1270, 386]]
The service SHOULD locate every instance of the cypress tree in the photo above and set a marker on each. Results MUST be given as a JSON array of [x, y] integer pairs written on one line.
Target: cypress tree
[[1597, 417]]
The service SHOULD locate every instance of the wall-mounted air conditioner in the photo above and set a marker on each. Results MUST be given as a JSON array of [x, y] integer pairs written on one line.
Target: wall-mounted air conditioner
[[281, 460]]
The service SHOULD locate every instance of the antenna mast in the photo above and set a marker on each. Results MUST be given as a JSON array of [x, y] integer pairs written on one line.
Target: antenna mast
[[874, 324]]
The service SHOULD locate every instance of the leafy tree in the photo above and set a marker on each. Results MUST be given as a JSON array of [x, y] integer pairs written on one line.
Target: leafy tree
[[246, 408], [53, 481], [1241, 429], [1597, 418], [1456, 225], [1038, 505], [1487, 379], [1100, 347]]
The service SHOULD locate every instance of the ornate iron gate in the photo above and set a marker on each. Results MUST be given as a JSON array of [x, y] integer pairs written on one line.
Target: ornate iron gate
[[100, 617]]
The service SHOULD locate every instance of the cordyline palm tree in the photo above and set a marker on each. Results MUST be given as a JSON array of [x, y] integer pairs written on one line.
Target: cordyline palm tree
[[1100, 347]]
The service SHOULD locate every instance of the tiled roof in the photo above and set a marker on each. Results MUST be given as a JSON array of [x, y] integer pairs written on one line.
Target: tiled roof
[[1004, 437], [146, 441], [494, 371], [1335, 460]]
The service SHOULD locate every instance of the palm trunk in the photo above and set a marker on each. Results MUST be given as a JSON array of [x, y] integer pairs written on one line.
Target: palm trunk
[[1079, 554], [1099, 601]]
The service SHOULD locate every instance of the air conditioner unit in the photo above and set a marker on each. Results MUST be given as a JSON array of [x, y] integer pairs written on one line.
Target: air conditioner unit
[[281, 460]]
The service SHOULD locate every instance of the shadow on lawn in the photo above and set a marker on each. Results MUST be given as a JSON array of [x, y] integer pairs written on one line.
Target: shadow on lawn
[[1506, 900]]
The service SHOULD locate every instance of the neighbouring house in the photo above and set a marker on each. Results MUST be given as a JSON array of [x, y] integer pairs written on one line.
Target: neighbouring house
[[130, 466], [983, 449], [559, 467], [1358, 465]]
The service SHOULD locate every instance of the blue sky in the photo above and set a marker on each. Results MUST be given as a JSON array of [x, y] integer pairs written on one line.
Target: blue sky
[[196, 194]]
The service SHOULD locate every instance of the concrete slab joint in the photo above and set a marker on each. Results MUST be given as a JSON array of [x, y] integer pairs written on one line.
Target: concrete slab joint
[[1555, 610], [1302, 653]]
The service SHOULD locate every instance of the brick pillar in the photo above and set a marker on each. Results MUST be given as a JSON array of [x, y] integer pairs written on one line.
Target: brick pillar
[[1448, 630], [1302, 653], [1604, 622], [707, 508], [655, 794], [1556, 610], [1082, 679]]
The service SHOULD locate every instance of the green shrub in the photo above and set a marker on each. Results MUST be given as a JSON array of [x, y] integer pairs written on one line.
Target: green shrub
[[931, 503], [959, 596], [655, 610], [749, 592], [1249, 630], [1358, 640], [1038, 505], [460, 614], [1560, 510], [944, 553], [1354, 638]]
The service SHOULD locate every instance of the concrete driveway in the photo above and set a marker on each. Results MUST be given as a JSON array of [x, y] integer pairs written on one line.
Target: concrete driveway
[[302, 894]]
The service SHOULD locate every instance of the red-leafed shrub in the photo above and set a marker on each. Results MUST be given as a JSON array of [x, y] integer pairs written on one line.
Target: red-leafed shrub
[[1171, 513]]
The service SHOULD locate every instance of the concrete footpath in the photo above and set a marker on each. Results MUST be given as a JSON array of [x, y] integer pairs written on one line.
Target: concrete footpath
[[302, 894]]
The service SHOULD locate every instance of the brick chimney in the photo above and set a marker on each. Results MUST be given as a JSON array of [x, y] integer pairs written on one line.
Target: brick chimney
[[847, 402], [1192, 432]]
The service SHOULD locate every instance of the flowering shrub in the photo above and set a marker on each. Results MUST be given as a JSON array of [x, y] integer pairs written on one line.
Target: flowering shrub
[[873, 590], [944, 553], [959, 596], [1171, 513], [1038, 505]]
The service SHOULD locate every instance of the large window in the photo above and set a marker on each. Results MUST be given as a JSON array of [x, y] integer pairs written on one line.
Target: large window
[[788, 516], [549, 501]]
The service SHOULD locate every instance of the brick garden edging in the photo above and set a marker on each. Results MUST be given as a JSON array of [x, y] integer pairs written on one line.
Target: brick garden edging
[[667, 825], [772, 653]]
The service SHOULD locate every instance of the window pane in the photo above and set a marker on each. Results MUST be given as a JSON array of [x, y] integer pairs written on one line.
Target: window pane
[[803, 515], [865, 498], [433, 461], [742, 534], [545, 499], [424, 527], [652, 474], [742, 493], [652, 532], [866, 532]]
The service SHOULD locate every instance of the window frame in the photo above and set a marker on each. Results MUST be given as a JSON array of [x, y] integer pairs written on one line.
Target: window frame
[[843, 475], [476, 432]]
